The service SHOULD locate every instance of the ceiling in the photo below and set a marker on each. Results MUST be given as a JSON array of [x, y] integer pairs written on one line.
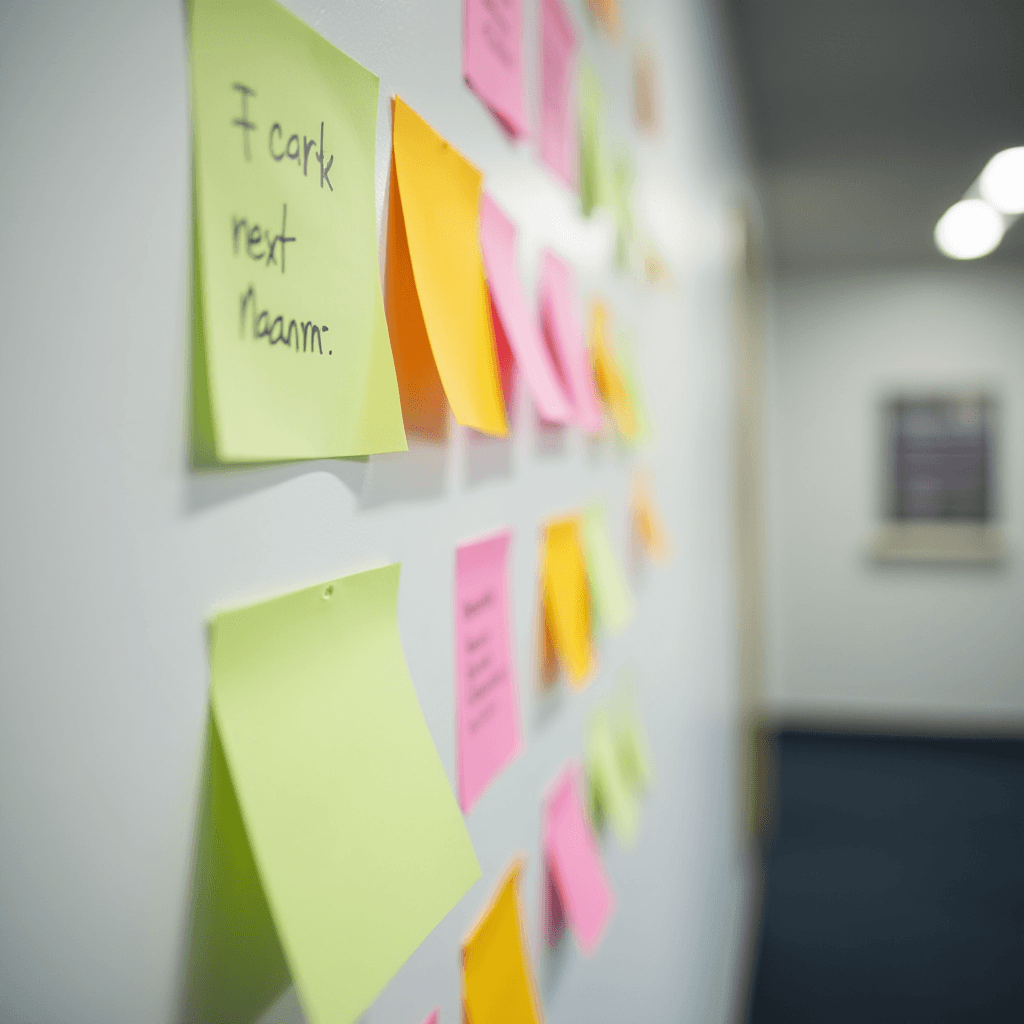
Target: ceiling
[[867, 119]]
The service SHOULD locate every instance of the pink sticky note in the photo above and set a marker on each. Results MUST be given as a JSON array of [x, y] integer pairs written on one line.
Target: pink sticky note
[[492, 58], [498, 241], [557, 116], [486, 709], [554, 912], [574, 861], [506, 360], [565, 339], [432, 1019]]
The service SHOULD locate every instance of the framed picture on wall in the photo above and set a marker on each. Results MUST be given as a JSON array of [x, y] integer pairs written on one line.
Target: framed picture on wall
[[939, 475]]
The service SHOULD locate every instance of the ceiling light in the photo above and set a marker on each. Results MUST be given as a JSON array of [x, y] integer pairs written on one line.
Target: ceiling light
[[969, 229], [1002, 182]]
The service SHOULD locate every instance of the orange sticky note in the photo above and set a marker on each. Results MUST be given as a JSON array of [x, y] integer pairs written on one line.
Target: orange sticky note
[[647, 521], [606, 14], [645, 89], [567, 599], [611, 385], [547, 657], [497, 985], [435, 293]]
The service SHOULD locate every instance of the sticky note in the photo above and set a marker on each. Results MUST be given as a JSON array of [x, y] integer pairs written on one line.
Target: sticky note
[[486, 708], [355, 836], [606, 14], [572, 857], [609, 591], [557, 67], [291, 357], [437, 300], [554, 911], [547, 656], [497, 982], [432, 1019], [498, 241], [647, 521], [567, 599], [611, 794], [622, 175], [492, 58], [609, 377], [645, 89], [565, 338], [596, 186], [656, 269], [634, 750], [630, 372], [237, 967], [506, 362]]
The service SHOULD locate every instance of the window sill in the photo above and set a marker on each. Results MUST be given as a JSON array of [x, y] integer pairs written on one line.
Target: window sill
[[954, 543]]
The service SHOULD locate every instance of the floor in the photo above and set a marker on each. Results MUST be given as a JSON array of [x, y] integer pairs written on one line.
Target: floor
[[895, 882]]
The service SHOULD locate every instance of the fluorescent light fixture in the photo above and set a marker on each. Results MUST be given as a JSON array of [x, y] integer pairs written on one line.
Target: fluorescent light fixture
[[1002, 182], [969, 229]]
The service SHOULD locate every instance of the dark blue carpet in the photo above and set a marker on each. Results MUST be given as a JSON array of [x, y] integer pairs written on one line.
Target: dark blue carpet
[[895, 884]]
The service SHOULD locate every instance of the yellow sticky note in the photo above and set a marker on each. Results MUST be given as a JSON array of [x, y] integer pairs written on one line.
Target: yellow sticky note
[[290, 343], [567, 599], [647, 521], [347, 814], [437, 299], [608, 375], [497, 984]]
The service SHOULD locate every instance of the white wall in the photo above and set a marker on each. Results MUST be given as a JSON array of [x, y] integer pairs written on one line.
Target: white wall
[[114, 551], [848, 639]]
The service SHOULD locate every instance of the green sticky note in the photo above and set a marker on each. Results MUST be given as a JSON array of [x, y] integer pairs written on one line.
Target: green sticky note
[[354, 833], [237, 967], [621, 184], [609, 589], [609, 796], [626, 350], [595, 172], [291, 355], [633, 750]]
